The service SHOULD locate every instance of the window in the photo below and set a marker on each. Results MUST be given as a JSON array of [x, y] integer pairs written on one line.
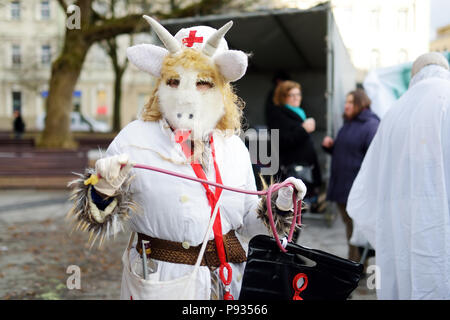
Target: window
[[46, 55], [375, 20], [350, 53], [374, 59], [15, 10], [16, 55], [347, 14], [102, 107], [402, 20], [345, 18], [402, 56], [45, 10], [17, 100], [76, 100]]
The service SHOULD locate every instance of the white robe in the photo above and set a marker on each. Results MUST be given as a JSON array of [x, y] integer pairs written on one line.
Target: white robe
[[177, 209], [400, 199]]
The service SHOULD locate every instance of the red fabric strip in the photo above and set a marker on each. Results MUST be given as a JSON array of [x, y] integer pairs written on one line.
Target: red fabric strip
[[212, 198]]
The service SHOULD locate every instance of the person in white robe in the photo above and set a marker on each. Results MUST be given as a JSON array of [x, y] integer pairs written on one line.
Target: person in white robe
[[400, 199]]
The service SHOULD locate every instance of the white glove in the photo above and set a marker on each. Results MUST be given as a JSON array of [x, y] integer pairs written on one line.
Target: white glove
[[113, 172], [284, 199]]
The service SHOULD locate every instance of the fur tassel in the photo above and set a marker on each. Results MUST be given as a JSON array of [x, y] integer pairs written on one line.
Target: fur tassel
[[113, 220], [281, 219]]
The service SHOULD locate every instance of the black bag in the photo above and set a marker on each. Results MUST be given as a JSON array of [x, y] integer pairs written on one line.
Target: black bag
[[271, 274]]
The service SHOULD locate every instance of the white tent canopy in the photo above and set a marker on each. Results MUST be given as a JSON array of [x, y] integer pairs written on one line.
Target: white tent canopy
[[384, 86]]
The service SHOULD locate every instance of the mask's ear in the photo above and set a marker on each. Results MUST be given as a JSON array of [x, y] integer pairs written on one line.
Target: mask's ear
[[232, 64], [147, 57]]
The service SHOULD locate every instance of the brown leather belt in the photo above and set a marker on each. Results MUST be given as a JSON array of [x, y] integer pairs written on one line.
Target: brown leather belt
[[175, 252]]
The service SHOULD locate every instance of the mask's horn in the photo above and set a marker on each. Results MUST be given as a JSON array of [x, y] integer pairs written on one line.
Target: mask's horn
[[213, 42], [169, 41]]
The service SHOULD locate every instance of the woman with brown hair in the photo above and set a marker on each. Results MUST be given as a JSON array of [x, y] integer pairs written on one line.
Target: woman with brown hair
[[348, 151], [296, 148]]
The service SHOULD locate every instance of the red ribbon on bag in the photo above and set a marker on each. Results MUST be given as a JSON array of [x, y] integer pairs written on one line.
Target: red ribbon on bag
[[298, 289]]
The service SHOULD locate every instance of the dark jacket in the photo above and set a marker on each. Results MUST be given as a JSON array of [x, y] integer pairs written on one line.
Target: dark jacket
[[19, 125], [268, 106], [295, 145], [348, 151]]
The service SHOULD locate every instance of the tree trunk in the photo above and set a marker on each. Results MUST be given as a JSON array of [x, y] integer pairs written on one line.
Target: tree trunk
[[65, 72], [117, 96]]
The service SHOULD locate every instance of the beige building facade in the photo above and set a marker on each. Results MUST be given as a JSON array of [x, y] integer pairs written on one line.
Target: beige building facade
[[382, 33], [31, 36], [378, 33], [442, 41]]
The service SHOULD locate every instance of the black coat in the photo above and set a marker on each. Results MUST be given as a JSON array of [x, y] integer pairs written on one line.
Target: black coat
[[19, 125], [295, 145]]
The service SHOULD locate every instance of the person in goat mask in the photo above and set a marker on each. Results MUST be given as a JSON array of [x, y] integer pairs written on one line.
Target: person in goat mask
[[190, 126]]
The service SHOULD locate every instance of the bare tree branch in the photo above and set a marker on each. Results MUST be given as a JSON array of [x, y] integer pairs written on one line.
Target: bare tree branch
[[202, 7], [110, 28], [63, 5]]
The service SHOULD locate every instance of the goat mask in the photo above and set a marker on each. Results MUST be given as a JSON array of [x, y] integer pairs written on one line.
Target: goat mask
[[192, 70]]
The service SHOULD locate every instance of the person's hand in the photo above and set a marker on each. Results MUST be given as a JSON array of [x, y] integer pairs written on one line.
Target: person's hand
[[284, 199], [327, 142], [113, 172], [309, 125]]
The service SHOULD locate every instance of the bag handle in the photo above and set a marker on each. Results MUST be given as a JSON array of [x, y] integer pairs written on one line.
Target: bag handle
[[296, 219]]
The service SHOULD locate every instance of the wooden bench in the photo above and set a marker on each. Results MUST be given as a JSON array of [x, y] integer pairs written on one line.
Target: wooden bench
[[34, 168], [93, 142], [6, 142], [22, 165]]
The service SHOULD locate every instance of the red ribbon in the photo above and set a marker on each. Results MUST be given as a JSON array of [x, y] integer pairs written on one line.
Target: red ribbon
[[212, 200]]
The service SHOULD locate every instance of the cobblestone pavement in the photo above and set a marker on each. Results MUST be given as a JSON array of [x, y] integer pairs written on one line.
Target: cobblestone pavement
[[36, 249]]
